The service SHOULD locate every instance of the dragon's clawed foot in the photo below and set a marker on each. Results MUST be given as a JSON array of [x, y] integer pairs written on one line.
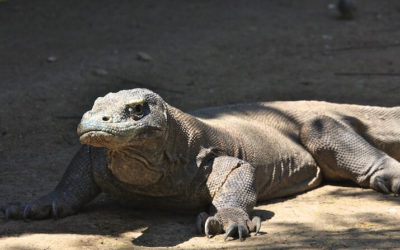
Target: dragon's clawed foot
[[45, 207], [233, 221], [386, 183], [387, 179]]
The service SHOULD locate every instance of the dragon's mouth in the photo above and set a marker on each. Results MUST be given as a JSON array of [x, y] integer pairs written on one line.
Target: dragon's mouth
[[105, 137], [93, 127], [93, 133], [96, 137]]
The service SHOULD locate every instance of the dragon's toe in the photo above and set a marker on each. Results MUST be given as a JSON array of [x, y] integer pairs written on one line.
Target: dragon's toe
[[233, 221], [12, 210], [212, 226], [254, 225], [241, 231]]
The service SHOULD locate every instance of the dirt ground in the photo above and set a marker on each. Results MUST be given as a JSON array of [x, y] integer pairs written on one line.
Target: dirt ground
[[56, 57]]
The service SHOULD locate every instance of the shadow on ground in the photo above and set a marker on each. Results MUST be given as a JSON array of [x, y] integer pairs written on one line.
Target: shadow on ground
[[105, 218]]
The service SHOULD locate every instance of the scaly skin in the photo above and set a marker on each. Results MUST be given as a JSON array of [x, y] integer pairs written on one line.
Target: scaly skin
[[220, 160]]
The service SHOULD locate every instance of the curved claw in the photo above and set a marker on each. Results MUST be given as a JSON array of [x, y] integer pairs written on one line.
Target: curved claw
[[54, 210], [382, 186], [27, 209], [230, 230], [212, 226], [7, 213], [207, 227], [240, 231], [396, 188], [200, 221], [257, 222]]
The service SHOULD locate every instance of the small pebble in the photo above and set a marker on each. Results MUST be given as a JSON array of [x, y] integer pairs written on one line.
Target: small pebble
[[331, 6], [143, 56], [327, 37], [51, 59], [100, 72]]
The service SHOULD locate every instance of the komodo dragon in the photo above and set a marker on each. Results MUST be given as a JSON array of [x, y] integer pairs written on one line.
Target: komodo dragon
[[220, 160]]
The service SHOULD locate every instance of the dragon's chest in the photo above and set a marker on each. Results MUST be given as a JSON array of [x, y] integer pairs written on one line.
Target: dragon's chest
[[139, 176], [133, 183]]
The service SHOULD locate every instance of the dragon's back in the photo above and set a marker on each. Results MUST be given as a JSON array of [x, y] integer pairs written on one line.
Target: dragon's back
[[273, 123], [284, 114]]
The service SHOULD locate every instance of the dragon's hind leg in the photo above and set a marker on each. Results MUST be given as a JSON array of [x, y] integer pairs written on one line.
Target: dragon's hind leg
[[343, 154]]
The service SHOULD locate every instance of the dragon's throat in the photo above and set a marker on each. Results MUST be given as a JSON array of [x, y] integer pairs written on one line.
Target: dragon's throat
[[131, 169]]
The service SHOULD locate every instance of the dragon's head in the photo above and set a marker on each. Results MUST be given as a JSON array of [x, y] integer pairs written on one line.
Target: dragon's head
[[125, 118]]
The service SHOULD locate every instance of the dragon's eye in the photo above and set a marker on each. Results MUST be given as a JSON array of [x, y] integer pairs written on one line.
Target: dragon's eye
[[138, 109], [135, 110]]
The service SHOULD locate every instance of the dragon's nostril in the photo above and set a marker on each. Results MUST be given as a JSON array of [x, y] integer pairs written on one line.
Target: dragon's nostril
[[106, 118]]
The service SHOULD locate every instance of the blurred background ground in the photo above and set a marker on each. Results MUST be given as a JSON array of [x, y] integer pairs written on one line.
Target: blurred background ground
[[56, 57]]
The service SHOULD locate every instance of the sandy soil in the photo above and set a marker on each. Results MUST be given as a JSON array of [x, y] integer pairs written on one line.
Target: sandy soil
[[56, 57]]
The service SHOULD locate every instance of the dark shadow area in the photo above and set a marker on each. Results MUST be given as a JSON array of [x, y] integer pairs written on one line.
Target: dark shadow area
[[307, 238], [160, 229], [368, 194], [263, 214], [106, 217], [341, 183]]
